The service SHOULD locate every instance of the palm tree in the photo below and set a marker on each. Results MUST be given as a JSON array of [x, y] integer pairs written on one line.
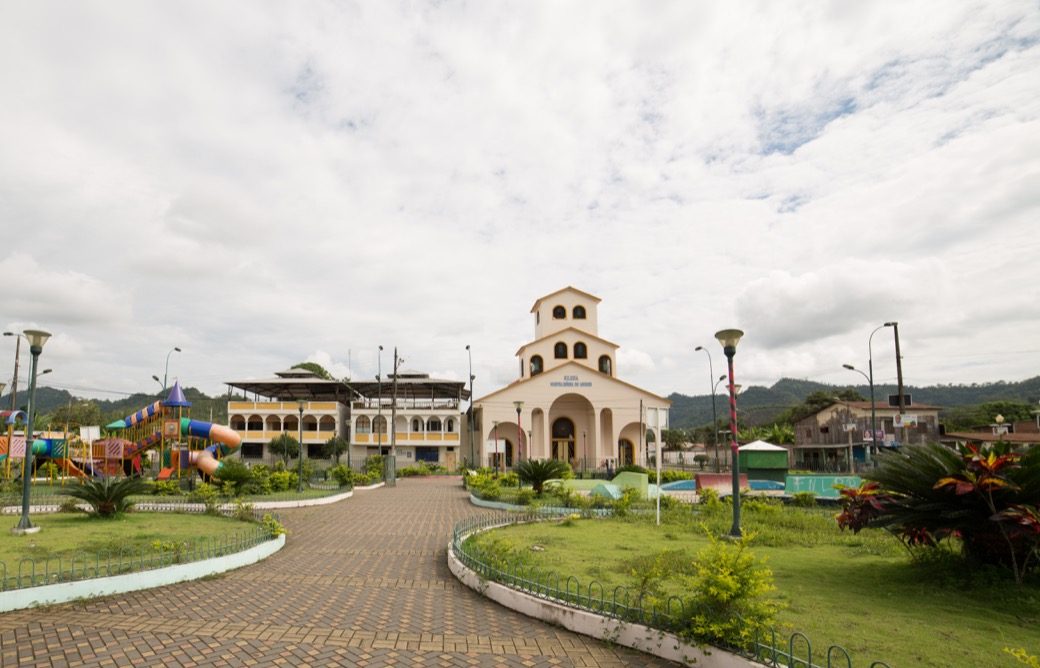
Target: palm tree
[[537, 471], [108, 496]]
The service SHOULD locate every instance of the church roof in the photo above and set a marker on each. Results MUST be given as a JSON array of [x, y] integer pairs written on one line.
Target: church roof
[[569, 288]]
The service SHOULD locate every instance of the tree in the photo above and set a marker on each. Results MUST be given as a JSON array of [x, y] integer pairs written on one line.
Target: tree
[[780, 434], [334, 447], [314, 368], [76, 415], [285, 446], [674, 439], [850, 394], [537, 471]]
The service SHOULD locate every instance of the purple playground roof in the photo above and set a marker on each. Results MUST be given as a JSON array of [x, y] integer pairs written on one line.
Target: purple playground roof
[[176, 397]]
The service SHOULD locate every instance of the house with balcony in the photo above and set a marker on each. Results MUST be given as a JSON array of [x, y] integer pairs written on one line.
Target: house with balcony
[[409, 413], [838, 438]]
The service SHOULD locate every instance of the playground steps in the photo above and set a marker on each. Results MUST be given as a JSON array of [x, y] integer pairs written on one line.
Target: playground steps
[[166, 473]]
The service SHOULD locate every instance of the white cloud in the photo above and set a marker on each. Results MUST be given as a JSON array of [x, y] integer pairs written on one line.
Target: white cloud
[[251, 184]]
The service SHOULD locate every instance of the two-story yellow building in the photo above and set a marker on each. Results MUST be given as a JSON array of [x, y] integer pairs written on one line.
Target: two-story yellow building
[[567, 402]]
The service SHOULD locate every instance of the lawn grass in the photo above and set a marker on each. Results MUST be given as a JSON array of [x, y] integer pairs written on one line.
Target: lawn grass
[[858, 591], [51, 493], [65, 534]]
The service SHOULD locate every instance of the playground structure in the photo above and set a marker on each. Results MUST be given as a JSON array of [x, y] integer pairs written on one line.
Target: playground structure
[[183, 443], [163, 424]]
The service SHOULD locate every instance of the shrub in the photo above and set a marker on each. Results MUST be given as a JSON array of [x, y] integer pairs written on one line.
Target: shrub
[[259, 480], [243, 512], [709, 496], [273, 527], [166, 488], [701, 460], [108, 496], [985, 496], [69, 506], [375, 464], [283, 481], [343, 476], [634, 468], [730, 587], [207, 495], [48, 469], [233, 471], [804, 499], [673, 476], [537, 471], [524, 496], [284, 446]]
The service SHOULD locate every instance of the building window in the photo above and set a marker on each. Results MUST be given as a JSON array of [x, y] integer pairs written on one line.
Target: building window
[[536, 365], [252, 451], [537, 317], [364, 425], [579, 312], [521, 367], [417, 425], [580, 351], [559, 313], [256, 423], [449, 425], [327, 423], [604, 364], [433, 425], [379, 424], [560, 351], [274, 423], [238, 423]]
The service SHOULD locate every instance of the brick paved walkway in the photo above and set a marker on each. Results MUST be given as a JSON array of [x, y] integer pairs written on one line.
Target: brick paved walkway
[[363, 582]]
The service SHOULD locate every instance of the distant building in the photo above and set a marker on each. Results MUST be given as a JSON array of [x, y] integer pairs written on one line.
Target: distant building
[[425, 425], [572, 405], [839, 434]]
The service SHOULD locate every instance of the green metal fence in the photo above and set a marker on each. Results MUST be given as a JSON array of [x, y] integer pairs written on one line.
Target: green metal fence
[[624, 604]]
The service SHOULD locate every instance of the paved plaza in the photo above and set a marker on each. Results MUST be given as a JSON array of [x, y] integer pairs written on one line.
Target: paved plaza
[[363, 582]]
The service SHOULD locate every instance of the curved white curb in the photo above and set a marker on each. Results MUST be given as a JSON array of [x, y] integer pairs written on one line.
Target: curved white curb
[[16, 599], [637, 636]]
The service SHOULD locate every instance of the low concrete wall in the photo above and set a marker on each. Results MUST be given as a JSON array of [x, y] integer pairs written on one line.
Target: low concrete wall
[[637, 636], [62, 592]]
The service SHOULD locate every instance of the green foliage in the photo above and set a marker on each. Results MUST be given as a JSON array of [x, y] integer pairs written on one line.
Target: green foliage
[[315, 368], [235, 474], [709, 496], [1023, 657], [804, 499], [283, 481], [673, 476], [166, 488], [536, 471], [243, 511], [421, 469], [334, 447], [375, 465], [622, 506], [485, 486], [967, 418], [273, 527], [69, 506], [108, 496], [259, 480], [701, 460], [729, 603], [285, 446], [673, 439], [634, 468], [524, 496], [343, 475], [207, 495], [984, 497], [49, 469]]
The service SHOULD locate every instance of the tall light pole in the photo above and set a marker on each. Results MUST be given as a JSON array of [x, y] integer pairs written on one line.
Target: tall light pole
[[472, 416], [519, 405], [299, 466], [873, 412], [715, 425], [36, 339], [870, 365], [14, 381], [899, 379], [729, 338], [379, 406], [166, 371], [714, 415]]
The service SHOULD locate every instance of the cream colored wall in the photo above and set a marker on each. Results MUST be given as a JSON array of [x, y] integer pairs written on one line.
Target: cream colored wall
[[545, 324], [571, 391], [545, 349]]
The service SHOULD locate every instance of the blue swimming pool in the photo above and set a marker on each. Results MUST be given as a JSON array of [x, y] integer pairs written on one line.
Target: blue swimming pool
[[691, 485]]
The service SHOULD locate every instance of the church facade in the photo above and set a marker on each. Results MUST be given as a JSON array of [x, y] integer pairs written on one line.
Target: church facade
[[568, 402]]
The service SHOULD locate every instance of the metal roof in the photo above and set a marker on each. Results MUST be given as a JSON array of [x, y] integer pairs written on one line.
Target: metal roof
[[313, 388]]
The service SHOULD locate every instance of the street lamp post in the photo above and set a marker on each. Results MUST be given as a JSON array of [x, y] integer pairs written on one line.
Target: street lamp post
[[166, 371], [14, 381], [379, 406], [729, 338], [714, 414], [873, 412], [519, 405], [36, 339], [472, 416], [299, 466], [870, 367]]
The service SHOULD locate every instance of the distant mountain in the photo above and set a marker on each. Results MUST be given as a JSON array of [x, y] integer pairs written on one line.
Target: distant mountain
[[49, 400], [761, 405]]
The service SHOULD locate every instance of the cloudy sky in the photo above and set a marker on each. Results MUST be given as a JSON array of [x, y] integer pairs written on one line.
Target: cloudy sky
[[261, 183]]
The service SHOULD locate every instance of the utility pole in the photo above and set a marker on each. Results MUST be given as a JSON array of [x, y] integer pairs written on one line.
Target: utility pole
[[899, 384], [391, 466]]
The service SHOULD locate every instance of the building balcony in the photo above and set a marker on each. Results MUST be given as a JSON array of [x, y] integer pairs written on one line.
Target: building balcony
[[265, 435], [281, 406], [407, 438]]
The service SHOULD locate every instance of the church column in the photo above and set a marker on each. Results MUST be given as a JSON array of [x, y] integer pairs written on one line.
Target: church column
[[594, 449]]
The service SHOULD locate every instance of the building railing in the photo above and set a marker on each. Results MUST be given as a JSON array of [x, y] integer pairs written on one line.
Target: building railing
[[626, 604], [282, 406], [407, 438], [406, 404]]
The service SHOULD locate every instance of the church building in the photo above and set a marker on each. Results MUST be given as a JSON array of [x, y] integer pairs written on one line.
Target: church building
[[568, 402]]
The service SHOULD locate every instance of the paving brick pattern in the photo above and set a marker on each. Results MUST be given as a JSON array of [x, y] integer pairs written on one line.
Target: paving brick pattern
[[363, 582]]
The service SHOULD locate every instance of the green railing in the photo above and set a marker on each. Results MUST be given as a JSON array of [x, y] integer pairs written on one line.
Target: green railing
[[30, 572], [626, 605]]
